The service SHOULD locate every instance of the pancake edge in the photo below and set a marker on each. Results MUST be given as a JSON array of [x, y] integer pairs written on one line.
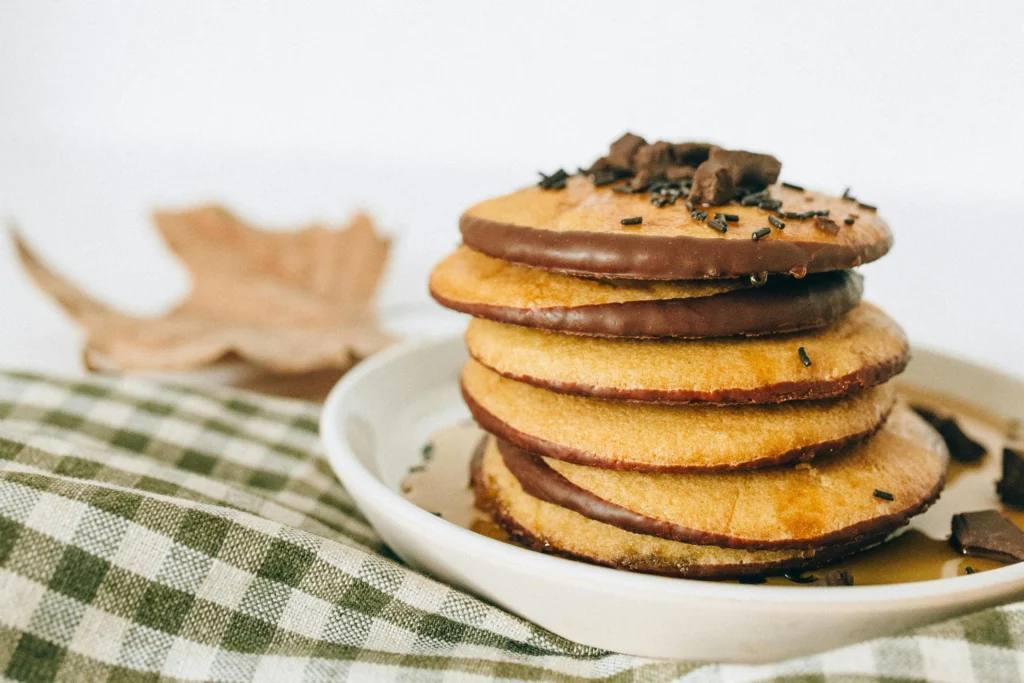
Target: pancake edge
[[660, 257], [539, 480], [501, 429], [487, 501], [790, 307]]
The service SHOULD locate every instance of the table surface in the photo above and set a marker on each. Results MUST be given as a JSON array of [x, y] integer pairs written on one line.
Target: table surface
[[951, 279]]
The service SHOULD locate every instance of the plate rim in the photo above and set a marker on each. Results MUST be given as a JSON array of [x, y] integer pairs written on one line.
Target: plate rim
[[353, 475]]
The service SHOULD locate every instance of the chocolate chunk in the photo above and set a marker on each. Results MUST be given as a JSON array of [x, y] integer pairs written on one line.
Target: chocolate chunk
[[712, 184], [717, 179], [962, 448], [692, 153], [599, 166], [987, 534], [654, 159], [644, 179], [836, 577], [1011, 486], [826, 224], [621, 154], [677, 173]]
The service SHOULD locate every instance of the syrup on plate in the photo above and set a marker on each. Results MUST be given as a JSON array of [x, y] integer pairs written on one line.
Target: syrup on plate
[[440, 484]]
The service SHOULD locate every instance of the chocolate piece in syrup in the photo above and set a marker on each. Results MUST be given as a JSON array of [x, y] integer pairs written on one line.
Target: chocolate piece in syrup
[[987, 534]]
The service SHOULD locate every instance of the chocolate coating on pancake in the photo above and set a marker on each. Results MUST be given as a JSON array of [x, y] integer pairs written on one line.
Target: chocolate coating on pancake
[[551, 529], [829, 502], [485, 287], [577, 231], [862, 350], [657, 438]]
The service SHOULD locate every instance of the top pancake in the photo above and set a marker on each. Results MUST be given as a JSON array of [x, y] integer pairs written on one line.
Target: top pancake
[[578, 231], [486, 287]]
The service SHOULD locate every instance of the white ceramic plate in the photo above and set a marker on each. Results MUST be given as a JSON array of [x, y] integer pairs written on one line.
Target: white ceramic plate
[[377, 419]]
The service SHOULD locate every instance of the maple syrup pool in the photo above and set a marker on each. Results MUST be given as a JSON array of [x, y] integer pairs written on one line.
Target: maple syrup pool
[[440, 484]]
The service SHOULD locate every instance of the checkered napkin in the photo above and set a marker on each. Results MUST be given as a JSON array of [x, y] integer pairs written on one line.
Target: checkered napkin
[[155, 532]]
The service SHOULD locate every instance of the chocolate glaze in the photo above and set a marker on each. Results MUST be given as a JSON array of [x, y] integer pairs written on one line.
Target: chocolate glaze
[[539, 480], [863, 378], [789, 305], [659, 257], [491, 423], [486, 500]]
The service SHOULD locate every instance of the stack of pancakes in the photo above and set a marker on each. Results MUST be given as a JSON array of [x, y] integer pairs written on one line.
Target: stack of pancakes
[[665, 397]]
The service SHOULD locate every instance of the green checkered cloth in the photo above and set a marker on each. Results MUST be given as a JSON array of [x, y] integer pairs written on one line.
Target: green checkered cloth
[[157, 532]]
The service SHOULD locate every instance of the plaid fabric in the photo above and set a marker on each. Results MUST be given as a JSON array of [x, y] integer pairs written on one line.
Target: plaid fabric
[[155, 532]]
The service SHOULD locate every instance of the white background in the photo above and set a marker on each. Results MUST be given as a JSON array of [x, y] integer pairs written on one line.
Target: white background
[[294, 111]]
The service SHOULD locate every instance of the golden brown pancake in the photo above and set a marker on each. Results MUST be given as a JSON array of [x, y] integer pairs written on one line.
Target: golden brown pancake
[[578, 230], [828, 501], [556, 530], [862, 350], [665, 438], [486, 287]]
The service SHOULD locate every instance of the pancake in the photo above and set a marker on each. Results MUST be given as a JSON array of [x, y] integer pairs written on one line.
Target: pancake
[[668, 438], [578, 231], [556, 530], [826, 502], [486, 287], [864, 349]]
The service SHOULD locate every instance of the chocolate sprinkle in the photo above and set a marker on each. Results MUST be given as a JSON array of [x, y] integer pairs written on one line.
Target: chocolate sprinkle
[[555, 181], [758, 234], [1011, 486], [849, 221], [987, 534], [801, 578], [846, 194], [769, 204], [793, 187], [804, 358], [884, 495], [867, 207], [968, 570], [728, 217], [603, 178], [962, 448], [776, 223], [635, 220], [718, 224], [699, 216]]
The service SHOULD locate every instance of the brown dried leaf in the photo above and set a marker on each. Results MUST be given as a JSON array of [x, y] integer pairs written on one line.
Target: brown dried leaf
[[290, 302]]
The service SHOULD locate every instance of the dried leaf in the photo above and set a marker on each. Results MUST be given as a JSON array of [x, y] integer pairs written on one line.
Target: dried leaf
[[290, 302]]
